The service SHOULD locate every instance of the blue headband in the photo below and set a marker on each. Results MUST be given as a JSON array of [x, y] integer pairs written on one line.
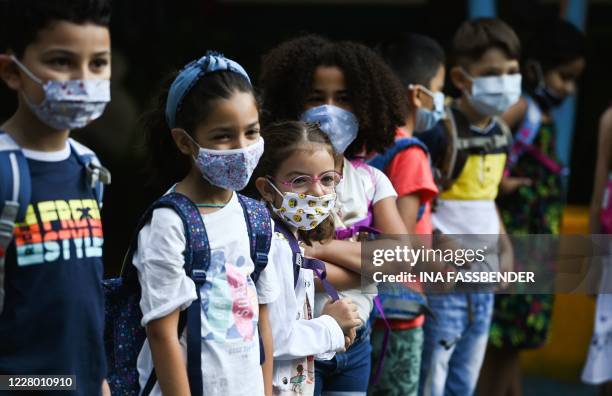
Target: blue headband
[[189, 76]]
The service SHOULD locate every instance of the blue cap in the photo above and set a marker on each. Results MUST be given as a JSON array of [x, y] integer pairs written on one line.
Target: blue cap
[[189, 76]]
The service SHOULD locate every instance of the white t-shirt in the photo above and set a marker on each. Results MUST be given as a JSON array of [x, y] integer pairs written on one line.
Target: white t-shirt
[[467, 217], [361, 186], [230, 311], [298, 338]]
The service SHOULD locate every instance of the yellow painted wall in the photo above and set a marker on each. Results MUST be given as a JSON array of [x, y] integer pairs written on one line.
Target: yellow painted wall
[[572, 322]]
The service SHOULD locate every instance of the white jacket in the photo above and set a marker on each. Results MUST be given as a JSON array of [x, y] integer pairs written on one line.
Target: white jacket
[[297, 337]]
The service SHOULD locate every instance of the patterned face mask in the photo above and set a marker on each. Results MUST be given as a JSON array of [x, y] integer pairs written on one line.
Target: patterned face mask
[[68, 104], [304, 211], [340, 125], [229, 169]]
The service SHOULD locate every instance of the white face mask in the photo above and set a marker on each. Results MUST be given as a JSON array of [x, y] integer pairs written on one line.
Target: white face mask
[[426, 119], [493, 95], [303, 211]]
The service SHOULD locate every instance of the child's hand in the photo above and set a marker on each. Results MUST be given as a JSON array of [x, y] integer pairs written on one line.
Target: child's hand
[[105, 389], [350, 338], [344, 312], [510, 184], [310, 251]]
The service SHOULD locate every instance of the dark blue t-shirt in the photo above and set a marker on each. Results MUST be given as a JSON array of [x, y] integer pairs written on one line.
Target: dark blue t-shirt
[[53, 315]]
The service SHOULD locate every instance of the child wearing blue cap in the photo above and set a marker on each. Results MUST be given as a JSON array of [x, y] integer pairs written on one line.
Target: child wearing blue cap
[[204, 137]]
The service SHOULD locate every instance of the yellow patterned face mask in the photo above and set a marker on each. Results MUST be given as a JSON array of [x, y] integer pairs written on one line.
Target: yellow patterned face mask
[[304, 211]]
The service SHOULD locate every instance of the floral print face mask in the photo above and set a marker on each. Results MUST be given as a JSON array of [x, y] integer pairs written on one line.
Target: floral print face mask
[[229, 169], [68, 104], [304, 211]]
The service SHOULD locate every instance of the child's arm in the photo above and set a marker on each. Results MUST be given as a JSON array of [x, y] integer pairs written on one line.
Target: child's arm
[[295, 339], [105, 388], [513, 117], [408, 207], [346, 254], [341, 278], [268, 345], [602, 169], [387, 218], [167, 355]]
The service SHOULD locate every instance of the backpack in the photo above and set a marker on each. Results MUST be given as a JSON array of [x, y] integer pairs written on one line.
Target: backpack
[[16, 188], [123, 333], [461, 142], [524, 138], [381, 161]]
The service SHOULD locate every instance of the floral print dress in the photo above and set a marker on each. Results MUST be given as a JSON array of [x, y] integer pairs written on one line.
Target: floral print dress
[[521, 321]]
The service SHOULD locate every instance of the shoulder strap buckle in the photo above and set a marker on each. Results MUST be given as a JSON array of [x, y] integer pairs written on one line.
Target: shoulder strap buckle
[[198, 276], [261, 258], [97, 173]]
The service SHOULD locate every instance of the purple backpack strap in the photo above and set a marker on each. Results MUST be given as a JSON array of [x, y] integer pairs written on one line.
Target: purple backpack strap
[[361, 226], [258, 222], [381, 359], [295, 249], [318, 267]]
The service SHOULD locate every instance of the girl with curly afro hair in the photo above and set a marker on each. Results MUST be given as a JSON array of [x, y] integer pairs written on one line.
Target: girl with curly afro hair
[[359, 103], [373, 93]]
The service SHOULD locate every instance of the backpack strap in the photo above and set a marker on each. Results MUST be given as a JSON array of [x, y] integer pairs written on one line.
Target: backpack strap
[[15, 193], [523, 142], [486, 143], [461, 142], [527, 132], [381, 360], [258, 222], [317, 266], [363, 225], [381, 161], [260, 233], [295, 249], [449, 160], [197, 261], [97, 175]]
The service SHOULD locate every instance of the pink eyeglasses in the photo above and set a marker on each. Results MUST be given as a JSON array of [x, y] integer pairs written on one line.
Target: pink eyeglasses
[[302, 183]]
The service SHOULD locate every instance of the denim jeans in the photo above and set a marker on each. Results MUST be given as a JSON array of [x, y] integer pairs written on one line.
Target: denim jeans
[[455, 343], [346, 374]]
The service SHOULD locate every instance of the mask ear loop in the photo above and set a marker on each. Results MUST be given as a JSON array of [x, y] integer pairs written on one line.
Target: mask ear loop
[[26, 70], [427, 92], [32, 77], [195, 158], [269, 180], [469, 77]]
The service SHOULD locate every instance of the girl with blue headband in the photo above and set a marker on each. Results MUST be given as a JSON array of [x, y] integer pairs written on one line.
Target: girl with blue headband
[[206, 274]]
